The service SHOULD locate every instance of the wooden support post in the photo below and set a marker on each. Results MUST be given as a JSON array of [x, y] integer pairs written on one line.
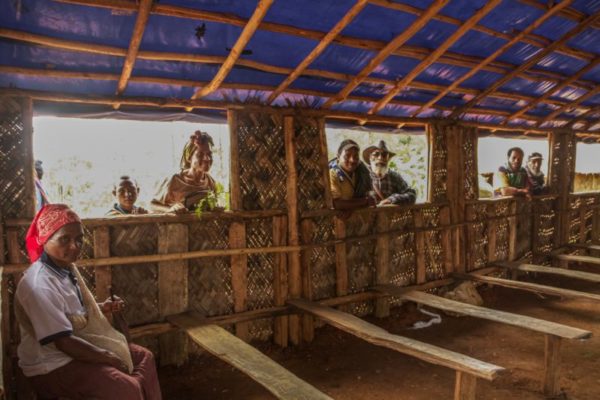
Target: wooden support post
[[235, 193], [103, 273], [280, 285], [420, 248], [582, 228], [14, 249], [294, 270], [341, 259], [382, 266], [172, 290], [28, 162], [551, 384], [512, 231], [6, 362], [239, 276], [465, 386], [492, 231], [323, 161], [448, 251], [307, 228], [595, 231]]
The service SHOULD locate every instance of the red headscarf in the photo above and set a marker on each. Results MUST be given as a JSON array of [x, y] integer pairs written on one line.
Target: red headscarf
[[47, 221]]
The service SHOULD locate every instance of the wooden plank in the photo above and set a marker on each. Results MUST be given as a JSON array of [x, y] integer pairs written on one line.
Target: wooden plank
[[235, 195], [512, 231], [521, 321], [324, 162], [172, 290], [530, 287], [272, 376], [448, 251], [585, 246], [551, 384], [102, 273], [585, 276], [569, 258], [341, 260], [14, 248], [280, 286], [382, 264], [420, 248], [294, 270], [239, 276], [492, 231], [27, 158], [389, 48], [237, 49], [465, 387], [307, 227], [380, 337]]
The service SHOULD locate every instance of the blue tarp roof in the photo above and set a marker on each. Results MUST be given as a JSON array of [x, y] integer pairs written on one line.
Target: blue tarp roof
[[374, 26]]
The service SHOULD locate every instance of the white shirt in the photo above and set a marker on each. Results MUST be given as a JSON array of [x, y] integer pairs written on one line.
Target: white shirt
[[48, 294]]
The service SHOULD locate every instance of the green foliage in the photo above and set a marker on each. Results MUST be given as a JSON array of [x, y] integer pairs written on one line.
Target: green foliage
[[214, 201]]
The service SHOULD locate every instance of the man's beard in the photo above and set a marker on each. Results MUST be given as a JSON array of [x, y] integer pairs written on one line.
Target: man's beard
[[379, 169]]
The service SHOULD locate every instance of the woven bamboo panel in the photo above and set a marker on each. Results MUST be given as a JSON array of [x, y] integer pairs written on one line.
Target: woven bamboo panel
[[262, 161], [137, 284], [545, 235], [524, 230], [469, 147], [478, 236], [403, 261], [434, 267], [322, 260], [439, 155], [311, 188], [259, 233], [209, 279], [575, 203], [13, 153]]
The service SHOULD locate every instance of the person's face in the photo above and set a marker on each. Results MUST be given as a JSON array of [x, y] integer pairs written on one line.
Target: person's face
[[126, 194], [64, 247], [349, 159], [535, 165], [515, 160], [202, 158], [379, 162], [39, 172]]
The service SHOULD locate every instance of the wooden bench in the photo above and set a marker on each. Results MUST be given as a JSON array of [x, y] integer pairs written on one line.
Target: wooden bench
[[553, 331], [569, 258], [586, 276], [467, 369], [219, 342]]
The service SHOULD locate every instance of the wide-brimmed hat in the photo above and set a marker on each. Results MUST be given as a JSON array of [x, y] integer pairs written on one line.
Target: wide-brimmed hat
[[380, 146], [535, 156]]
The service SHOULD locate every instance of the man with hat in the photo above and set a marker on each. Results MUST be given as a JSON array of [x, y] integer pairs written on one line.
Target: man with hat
[[389, 186], [350, 179], [535, 175]]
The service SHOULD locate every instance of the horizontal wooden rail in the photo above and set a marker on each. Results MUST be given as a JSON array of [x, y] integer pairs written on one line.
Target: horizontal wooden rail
[[569, 258], [585, 276], [584, 246]]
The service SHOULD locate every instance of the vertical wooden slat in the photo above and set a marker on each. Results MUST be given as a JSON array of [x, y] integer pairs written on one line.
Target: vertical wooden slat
[[382, 266], [469, 263], [294, 270], [323, 160], [235, 195], [103, 273], [512, 231], [172, 290], [420, 247], [492, 231], [551, 384], [239, 276], [307, 228], [446, 237], [582, 228], [341, 260], [280, 285], [465, 387], [28, 162]]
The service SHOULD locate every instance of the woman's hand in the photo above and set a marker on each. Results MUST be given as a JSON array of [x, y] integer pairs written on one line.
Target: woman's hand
[[108, 357], [111, 306], [178, 208]]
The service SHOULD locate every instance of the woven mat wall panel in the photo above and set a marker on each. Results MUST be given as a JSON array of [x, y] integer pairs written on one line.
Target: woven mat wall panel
[[261, 155], [311, 188], [322, 260], [209, 279], [545, 235], [501, 209], [523, 245], [403, 260], [259, 233], [13, 153], [478, 236], [439, 155], [137, 284], [434, 267], [471, 182]]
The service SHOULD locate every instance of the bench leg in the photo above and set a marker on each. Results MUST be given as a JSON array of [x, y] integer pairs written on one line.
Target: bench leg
[[465, 386], [552, 366]]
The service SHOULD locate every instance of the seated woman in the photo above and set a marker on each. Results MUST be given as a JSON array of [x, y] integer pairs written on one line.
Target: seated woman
[[126, 192], [183, 191], [68, 348]]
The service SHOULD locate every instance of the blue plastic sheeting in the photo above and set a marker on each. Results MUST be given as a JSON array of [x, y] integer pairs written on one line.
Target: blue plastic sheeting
[[374, 23]]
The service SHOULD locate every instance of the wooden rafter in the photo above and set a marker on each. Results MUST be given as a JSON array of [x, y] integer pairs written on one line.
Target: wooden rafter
[[433, 57], [258, 15], [342, 23], [134, 44], [530, 63], [573, 104], [583, 117], [199, 58], [495, 54], [529, 38], [384, 53], [555, 89]]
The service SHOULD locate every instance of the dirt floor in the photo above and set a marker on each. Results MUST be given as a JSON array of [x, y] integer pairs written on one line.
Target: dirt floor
[[345, 367]]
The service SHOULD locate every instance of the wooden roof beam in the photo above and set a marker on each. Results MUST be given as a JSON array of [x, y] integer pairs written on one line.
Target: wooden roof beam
[[530, 63], [134, 45], [529, 38], [495, 54], [433, 57], [367, 44], [255, 20], [555, 89], [384, 53], [573, 104], [342, 23]]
